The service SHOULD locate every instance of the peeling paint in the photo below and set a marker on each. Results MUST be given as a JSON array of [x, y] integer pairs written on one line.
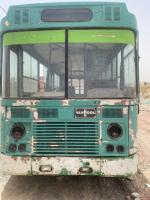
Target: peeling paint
[[131, 133], [73, 164], [65, 102], [25, 159], [39, 120], [66, 165], [8, 114], [125, 110], [15, 165], [25, 103], [69, 165], [110, 102], [100, 131], [119, 167], [29, 173], [125, 102], [132, 151], [35, 113], [64, 172], [2, 110]]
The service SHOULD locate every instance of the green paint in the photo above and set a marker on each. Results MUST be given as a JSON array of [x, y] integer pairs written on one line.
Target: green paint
[[84, 164], [75, 36], [97, 35], [133, 113], [64, 172], [97, 173], [66, 114], [101, 36], [34, 37], [127, 21], [29, 173], [126, 175], [33, 158]]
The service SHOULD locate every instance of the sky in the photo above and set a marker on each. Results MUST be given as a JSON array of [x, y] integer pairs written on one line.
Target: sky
[[139, 7]]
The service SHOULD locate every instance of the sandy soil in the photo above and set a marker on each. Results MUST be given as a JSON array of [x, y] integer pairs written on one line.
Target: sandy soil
[[86, 188], [144, 142]]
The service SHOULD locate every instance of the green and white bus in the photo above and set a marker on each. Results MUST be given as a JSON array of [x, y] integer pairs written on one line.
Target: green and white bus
[[70, 89]]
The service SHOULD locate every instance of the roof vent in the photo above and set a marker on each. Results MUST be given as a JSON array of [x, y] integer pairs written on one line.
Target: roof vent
[[17, 17], [112, 113], [112, 14], [117, 13], [47, 113], [25, 16], [20, 112], [21, 16], [108, 13]]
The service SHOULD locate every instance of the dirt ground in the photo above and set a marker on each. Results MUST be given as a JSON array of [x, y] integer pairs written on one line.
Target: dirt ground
[[86, 188]]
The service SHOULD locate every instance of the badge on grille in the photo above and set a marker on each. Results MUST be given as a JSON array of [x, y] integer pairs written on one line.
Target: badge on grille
[[85, 112]]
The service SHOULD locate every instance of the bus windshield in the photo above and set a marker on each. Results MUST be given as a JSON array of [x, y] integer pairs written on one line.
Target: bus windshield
[[100, 64]]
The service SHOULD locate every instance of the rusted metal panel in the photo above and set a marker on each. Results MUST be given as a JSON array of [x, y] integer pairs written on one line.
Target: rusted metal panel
[[15, 165], [100, 166], [66, 165], [119, 166], [69, 166]]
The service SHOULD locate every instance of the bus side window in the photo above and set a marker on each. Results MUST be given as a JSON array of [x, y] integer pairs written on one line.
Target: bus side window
[[13, 74], [129, 71], [42, 77], [30, 74]]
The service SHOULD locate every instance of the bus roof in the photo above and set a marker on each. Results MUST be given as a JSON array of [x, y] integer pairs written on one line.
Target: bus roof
[[104, 14]]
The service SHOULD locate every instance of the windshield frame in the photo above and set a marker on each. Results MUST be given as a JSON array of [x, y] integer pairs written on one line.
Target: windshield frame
[[66, 66]]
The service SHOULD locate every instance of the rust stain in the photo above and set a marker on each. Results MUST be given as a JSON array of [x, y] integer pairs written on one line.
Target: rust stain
[[37, 158], [25, 159], [14, 158]]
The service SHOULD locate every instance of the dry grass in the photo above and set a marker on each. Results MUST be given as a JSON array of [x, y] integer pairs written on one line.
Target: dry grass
[[145, 91]]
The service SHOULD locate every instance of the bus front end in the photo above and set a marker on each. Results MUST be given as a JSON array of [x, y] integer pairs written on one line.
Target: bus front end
[[69, 90]]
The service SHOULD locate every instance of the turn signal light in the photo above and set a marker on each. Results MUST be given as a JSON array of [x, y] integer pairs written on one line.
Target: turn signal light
[[120, 149], [12, 148], [21, 147], [110, 148]]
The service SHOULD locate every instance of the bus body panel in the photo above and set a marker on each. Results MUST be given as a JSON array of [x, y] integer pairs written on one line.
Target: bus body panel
[[59, 136], [18, 19], [64, 166]]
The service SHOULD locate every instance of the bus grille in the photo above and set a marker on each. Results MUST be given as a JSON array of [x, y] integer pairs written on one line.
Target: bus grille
[[66, 138]]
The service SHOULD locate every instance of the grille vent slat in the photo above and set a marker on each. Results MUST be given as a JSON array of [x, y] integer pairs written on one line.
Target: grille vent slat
[[47, 113], [108, 13], [73, 138], [25, 16], [17, 17], [112, 13], [112, 113], [21, 16], [20, 113], [117, 13]]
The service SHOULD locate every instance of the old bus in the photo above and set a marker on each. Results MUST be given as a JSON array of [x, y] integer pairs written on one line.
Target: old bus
[[69, 89]]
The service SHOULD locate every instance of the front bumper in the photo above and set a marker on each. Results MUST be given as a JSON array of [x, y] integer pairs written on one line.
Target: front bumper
[[114, 166]]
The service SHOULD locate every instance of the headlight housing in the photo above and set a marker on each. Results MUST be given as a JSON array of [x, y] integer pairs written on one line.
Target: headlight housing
[[114, 131], [17, 131]]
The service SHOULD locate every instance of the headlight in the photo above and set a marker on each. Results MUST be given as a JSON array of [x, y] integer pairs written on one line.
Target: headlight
[[21, 147], [114, 131], [110, 148], [120, 149], [17, 131]]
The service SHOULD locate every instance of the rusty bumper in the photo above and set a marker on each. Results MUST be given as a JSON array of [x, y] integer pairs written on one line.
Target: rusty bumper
[[122, 166]]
